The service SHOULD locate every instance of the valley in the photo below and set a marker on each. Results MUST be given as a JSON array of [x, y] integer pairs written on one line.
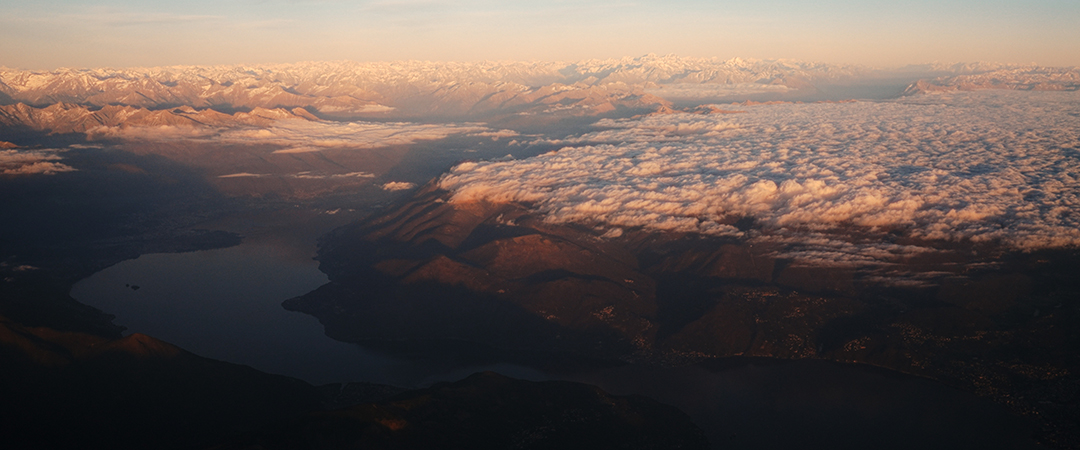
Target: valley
[[782, 239]]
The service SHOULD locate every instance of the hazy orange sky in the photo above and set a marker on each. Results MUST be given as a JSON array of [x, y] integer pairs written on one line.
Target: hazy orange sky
[[54, 33]]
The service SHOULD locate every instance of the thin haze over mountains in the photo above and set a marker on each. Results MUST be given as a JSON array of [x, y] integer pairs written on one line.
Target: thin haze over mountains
[[123, 33]]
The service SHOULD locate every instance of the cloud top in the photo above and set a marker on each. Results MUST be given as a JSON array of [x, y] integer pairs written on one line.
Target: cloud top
[[31, 162], [993, 167], [301, 136], [295, 135], [398, 186]]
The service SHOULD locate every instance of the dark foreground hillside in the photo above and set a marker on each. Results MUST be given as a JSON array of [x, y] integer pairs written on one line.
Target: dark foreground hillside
[[75, 390], [995, 323]]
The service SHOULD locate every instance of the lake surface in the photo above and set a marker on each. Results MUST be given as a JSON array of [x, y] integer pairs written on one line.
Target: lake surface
[[226, 304]]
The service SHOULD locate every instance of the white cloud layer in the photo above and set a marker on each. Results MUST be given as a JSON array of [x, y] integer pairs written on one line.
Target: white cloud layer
[[307, 175], [675, 91], [300, 135], [398, 186], [31, 162], [992, 166]]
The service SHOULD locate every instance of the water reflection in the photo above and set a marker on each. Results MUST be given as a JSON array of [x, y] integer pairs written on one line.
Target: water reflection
[[225, 304]]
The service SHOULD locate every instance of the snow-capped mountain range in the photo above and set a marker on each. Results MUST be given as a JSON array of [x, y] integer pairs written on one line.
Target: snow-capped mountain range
[[411, 89], [72, 118]]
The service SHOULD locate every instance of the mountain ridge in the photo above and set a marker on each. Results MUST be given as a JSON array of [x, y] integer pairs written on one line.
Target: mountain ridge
[[73, 118], [347, 89]]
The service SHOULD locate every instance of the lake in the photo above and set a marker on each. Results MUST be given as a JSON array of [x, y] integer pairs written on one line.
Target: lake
[[226, 304]]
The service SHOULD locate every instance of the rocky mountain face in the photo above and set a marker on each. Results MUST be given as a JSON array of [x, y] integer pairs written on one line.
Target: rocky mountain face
[[498, 276]]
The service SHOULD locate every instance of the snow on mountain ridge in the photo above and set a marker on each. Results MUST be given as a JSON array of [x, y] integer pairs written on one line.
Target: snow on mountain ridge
[[350, 89], [72, 118]]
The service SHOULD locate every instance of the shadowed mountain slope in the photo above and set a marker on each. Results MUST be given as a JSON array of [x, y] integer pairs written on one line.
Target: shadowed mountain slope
[[499, 276]]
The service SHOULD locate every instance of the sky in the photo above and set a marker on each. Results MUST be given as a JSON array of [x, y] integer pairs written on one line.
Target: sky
[[47, 34]]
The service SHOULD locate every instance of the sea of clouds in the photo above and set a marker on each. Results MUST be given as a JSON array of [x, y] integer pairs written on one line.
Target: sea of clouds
[[992, 166], [300, 135], [681, 91], [32, 162]]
